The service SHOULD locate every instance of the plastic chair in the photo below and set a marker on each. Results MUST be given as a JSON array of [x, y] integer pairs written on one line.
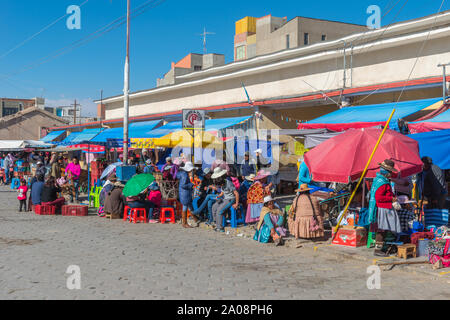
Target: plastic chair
[[125, 213], [97, 197], [138, 215], [162, 216], [92, 195], [15, 183], [234, 219]]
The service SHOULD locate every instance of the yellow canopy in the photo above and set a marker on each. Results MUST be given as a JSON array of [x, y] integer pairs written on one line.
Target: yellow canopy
[[182, 139]]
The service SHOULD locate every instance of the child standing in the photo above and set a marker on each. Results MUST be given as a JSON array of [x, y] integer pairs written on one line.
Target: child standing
[[22, 197]]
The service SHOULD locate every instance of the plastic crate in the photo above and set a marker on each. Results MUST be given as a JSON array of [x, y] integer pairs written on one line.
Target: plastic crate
[[43, 210], [73, 210], [124, 173]]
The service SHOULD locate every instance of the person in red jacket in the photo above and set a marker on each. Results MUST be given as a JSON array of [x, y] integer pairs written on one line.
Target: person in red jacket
[[381, 211]]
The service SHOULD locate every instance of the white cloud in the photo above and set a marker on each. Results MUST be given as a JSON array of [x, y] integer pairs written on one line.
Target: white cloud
[[88, 107]]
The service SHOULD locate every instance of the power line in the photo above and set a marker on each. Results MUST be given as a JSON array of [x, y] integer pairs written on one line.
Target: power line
[[92, 36], [421, 49], [38, 33]]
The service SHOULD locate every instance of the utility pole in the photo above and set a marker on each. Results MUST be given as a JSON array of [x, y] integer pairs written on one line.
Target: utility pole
[[444, 79], [126, 90], [75, 112]]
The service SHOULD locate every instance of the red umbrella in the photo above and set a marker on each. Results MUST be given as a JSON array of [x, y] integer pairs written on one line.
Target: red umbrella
[[343, 158]]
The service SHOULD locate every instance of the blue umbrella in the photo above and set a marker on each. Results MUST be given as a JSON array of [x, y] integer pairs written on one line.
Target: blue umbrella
[[110, 169]]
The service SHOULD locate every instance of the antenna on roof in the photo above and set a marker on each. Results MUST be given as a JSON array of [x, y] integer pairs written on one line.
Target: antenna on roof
[[204, 34]]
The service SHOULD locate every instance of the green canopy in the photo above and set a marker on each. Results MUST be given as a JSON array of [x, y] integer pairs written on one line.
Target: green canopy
[[137, 184]]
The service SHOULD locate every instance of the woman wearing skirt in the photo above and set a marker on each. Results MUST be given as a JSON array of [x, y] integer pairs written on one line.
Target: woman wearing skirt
[[382, 214]]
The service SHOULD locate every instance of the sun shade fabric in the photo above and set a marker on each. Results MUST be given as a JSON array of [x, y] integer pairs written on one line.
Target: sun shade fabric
[[343, 158], [86, 135], [135, 130], [52, 136], [68, 141], [428, 142], [368, 116], [440, 122], [172, 134]]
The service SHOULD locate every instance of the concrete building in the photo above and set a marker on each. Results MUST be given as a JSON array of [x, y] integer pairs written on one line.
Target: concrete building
[[384, 65], [297, 84], [259, 36], [192, 62], [29, 124], [10, 106]]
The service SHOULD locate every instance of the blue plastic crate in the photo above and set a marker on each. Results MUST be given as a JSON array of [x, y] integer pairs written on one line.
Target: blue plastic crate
[[124, 173]]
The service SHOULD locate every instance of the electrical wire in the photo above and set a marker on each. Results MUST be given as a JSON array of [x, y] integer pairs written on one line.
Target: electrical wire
[[420, 50], [92, 36], [38, 33]]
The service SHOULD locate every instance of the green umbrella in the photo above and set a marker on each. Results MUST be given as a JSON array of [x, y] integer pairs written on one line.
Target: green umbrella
[[137, 184]]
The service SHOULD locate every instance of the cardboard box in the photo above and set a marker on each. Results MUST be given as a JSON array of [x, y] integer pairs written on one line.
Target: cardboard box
[[350, 237]]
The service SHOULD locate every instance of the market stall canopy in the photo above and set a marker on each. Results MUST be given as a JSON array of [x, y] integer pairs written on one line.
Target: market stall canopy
[[53, 136], [368, 116], [86, 135], [172, 134], [440, 122], [113, 137], [68, 140], [343, 158], [427, 146], [18, 145]]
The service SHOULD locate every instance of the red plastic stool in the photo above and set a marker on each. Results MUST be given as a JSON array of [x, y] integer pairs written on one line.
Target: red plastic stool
[[125, 213], [138, 214], [163, 218]]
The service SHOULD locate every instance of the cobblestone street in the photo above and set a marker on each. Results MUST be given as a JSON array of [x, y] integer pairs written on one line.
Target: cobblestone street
[[123, 261]]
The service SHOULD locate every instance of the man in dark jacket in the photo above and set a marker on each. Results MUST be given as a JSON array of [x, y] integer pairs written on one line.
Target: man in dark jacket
[[433, 184]]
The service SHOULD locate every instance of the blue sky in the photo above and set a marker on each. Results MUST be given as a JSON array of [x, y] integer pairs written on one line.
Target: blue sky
[[161, 35]]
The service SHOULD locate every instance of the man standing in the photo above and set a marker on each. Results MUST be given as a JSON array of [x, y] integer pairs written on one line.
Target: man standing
[[56, 168], [75, 170], [433, 184], [6, 165], [40, 170]]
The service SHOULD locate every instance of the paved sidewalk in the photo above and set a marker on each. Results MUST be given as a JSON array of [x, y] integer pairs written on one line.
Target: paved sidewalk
[[119, 260]]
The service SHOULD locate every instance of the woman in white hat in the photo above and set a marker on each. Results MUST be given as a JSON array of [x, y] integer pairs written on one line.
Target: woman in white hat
[[185, 192], [305, 216], [227, 198], [270, 223]]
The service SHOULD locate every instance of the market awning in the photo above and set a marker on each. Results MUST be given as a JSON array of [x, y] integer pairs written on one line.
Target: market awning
[[52, 136], [68, 140], [427, 146], [18, 145], [440, 122], [114, 136], [172, 134], [86, 135], [368, 116]]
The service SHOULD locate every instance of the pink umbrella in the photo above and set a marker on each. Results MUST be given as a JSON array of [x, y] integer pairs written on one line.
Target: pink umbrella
[[343, 158]]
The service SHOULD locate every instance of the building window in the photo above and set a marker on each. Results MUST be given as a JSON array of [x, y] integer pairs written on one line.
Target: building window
[[324, 37], [197, 68], [288, 45], [240, 53], [306, 39], [9, 111]]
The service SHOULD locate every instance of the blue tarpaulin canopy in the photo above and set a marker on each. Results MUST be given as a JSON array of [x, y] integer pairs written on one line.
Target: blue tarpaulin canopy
[[364, 116], [436, 145], [86, 135], [52, 136], [68, 141], [135, 130]]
